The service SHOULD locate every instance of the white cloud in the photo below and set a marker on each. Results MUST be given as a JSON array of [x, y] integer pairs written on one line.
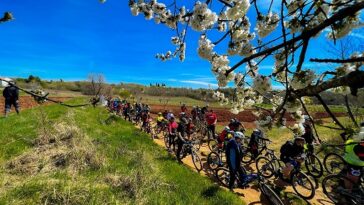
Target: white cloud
[[357, 35], [207, 84]]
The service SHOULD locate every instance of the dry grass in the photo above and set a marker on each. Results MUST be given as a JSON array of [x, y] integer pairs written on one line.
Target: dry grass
[[61, 146]]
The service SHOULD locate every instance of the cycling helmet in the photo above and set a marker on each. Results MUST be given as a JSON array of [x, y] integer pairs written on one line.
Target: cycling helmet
[[159, 113], [306, 117], [239, 135], [227, 128]]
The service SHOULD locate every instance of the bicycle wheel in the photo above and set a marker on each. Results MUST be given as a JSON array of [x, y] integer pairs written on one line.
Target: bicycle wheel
[[166, 141], [223, 176], [270, 194], [212, 144], [334, 186], [196, 161], [334, 163], [265, 167], [302, 185], [314, 166], [213, 160], [247, 156]]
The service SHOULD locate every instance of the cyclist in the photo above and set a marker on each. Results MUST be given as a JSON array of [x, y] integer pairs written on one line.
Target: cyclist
[[233, 158], [211, 119], [204, 110], [354, 156], [127, 110], [290, 155], [194, 113], [190, 128], [169, 115], [172, 131], [235, 124], [165, 114], [145, 116], [184, 108], [224, 137], [182, 135], [257, 135], [160, 119], [308, 134]]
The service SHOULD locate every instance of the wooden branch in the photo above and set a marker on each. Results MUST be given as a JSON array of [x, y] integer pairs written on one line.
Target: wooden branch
[[313, 122], [343, 13], [350, 112], [44, 97], [354, 80], [302, 55], [327, 109], [351, 60]]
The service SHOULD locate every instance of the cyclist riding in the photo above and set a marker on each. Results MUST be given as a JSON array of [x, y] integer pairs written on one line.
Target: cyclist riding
[[290, 155]]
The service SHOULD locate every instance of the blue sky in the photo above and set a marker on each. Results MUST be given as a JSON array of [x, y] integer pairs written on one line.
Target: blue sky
[[68, 39]]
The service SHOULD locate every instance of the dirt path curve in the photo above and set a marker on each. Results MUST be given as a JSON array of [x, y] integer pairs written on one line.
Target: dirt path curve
[[251, 195]]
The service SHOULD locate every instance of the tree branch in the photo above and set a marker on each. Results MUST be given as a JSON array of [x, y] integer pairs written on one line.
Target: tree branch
[[329, 112], [349, 111], [354, 80], [343, 13]]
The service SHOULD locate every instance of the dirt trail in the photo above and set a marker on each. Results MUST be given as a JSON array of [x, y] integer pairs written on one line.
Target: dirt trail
[[251, 195]]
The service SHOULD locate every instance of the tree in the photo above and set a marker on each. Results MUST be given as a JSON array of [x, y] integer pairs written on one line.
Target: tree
[[283, 36]]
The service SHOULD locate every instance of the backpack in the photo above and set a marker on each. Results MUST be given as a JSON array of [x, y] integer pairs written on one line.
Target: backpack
[[285, 148]]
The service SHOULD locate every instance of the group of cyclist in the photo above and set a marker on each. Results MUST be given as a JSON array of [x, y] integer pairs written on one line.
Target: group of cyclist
[[231, 140]]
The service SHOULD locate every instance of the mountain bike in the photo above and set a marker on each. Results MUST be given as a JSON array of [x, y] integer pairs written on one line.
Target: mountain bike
[[342, 190], [223, 176], [216, 159], [161, 128], [300, 182], [313, 165], [249, 156], [188, 148]]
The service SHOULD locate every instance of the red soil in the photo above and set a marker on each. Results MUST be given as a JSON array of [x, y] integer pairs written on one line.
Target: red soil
[[247, 116], [27, 102]]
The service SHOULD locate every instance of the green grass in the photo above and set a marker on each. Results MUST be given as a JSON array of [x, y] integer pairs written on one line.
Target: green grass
[[135, 170], [177, 101]]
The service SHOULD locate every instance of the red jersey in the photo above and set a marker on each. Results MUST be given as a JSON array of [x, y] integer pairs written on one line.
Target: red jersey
[[184, 109], [211, 118], [172, 127]]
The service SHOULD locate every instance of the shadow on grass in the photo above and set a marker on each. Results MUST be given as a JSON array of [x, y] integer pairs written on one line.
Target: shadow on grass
[[210, 191]]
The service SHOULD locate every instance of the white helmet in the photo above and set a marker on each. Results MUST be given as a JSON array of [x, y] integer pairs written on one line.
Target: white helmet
[[239, 135]]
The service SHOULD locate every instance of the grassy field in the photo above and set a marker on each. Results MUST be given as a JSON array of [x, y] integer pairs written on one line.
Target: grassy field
[[178, 101], [57, 155]]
